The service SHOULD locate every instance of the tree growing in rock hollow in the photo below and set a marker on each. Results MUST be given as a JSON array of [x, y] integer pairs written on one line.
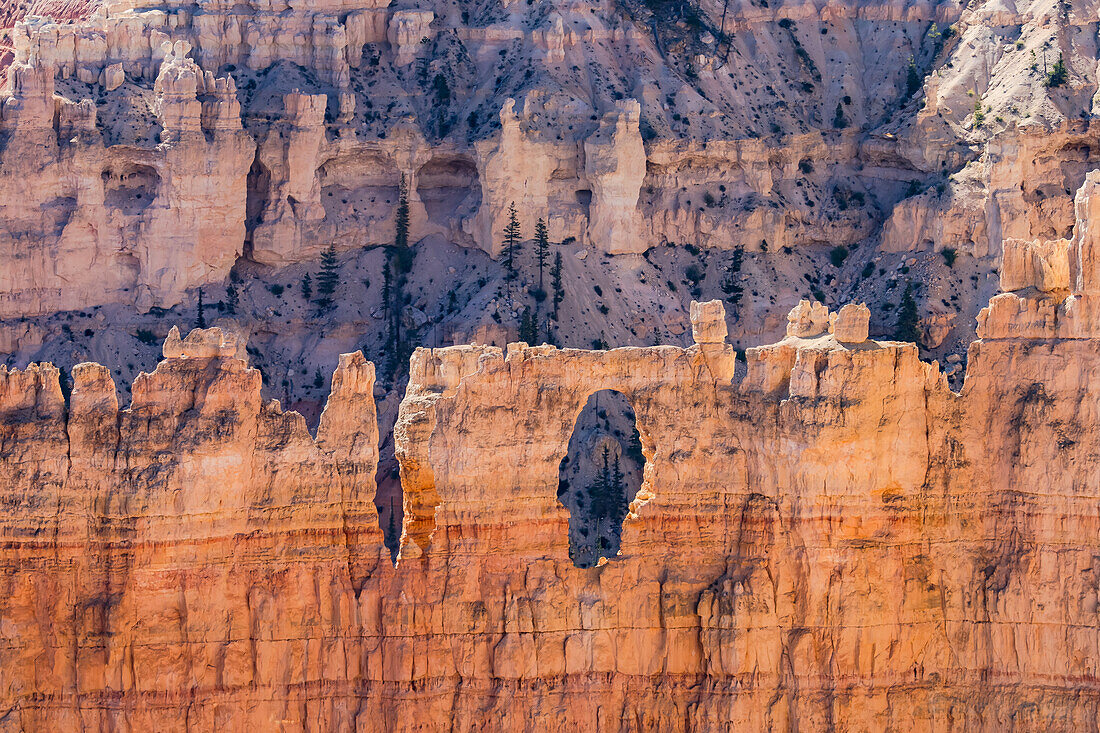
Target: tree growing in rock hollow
[[1058, 74], [200, 322], [608, 495], [511, 240], [542, 247], [912, 79], [839, 120], [392, 539], [328, 278], [601, 487]]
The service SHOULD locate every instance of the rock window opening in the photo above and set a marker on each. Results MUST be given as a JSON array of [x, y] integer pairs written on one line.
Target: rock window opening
[[599, 477]]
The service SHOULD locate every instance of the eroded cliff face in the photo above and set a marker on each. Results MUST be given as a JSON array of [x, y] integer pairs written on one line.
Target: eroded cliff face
[[825, 538], [90, 222], [720, 125], [198, 543]]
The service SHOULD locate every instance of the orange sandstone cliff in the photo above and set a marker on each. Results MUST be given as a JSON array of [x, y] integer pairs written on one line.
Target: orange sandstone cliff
[[827, 539]]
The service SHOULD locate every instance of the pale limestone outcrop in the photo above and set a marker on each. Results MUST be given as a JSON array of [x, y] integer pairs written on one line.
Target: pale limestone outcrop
[[291, 153], [1085, 246], [708, 322], [551, 39], [1041, 265], [851, 323], [118, 223], [1016, 190], [615, 166], [206, 343], [808, 319], [113, 77], [513, 169], [586, 188], [406, 31], [326, 37], [1052, 288]]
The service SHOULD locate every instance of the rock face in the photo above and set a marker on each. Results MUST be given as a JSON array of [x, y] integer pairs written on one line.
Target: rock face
[[316, 112], [85, 222], [210, 543], [614, 162], [1052, 289], [833, 540]]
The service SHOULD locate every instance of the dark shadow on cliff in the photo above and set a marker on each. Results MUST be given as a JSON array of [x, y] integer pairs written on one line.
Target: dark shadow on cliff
[[599, 476]]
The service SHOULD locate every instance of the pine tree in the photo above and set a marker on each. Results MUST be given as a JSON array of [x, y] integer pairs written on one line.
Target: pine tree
[[555, 283], [511, 240], [731, 284], [387, 285], [393, 301], [231, 299], [912, 78], [393, 534], [201, 320], [528, 330], [1058, 74], [839, 121], [542, 247], [617, 498], [601, 493], [307, 286], [328, 278], [908, 328], [401, 229]]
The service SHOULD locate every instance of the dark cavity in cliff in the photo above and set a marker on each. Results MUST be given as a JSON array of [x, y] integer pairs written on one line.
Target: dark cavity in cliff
[[599, 476]]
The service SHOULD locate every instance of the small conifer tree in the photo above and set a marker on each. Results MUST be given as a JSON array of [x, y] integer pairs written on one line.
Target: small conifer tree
[[231, 299], [555, 283], [328, 278], [912, 78], [528, 328], [542, 246], [511, 240], [401, 229], [908, 328]]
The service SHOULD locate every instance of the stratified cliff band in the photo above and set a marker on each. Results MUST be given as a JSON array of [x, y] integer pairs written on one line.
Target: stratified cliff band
[[831, 539]]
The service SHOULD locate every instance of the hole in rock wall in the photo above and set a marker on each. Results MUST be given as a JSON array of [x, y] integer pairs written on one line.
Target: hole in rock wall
[[449, 188], [259, 187], [584, 198], [599, 476], [130, 188], [359, 191], [388, 496]]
